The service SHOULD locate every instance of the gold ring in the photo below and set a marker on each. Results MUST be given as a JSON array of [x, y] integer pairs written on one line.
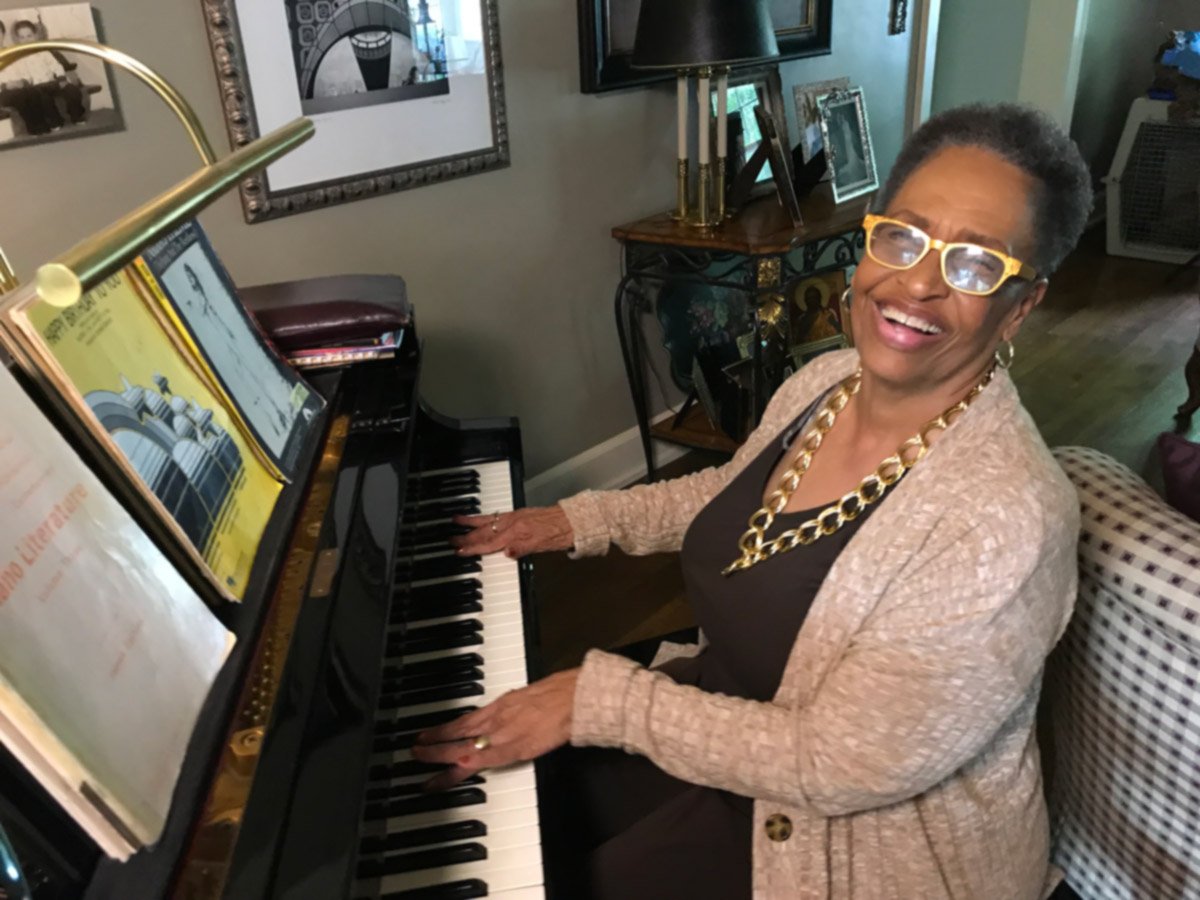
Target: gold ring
[[482, 742]]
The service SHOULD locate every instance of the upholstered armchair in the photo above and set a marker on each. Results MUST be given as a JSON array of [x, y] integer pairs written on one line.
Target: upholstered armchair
[[1121, 697]]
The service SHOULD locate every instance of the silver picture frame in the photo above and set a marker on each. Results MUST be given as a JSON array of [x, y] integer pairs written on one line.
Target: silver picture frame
[[846, 134], [238, 30]]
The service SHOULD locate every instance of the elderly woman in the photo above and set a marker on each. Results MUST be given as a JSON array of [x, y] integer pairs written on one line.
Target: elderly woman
[[880, 573]]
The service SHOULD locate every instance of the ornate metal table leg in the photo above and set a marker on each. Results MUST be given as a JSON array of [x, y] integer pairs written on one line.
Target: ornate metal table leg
[[768, 276], [627, 324], [1191, 374]]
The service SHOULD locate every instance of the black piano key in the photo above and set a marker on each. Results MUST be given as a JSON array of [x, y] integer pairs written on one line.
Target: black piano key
[[422, 837], [408, 789], [425, 682], [441, 509], [452, 642], [404, 769], [431, 567], [421, 721], [438, 567], [464, 587], [467, 889], [427, 483], [410, 806], [422, 612], [431, 529], [436, 531], [430, 640], [411, 613], [440, 630], [445, 486], [432, 695], [437, 858], [433, 666]]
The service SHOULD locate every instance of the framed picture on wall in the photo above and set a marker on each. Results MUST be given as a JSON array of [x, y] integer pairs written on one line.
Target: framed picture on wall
[[404, 93], [607, 29], [50, 96], [847, 138]]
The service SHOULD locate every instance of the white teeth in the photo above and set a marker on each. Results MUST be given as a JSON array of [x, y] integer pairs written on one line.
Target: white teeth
[[894, 315]]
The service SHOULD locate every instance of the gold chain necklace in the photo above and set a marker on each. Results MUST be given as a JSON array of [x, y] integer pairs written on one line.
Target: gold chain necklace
[[753, 544]]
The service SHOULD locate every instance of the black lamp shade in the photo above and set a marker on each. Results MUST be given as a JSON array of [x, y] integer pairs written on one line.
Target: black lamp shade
[[687, 34]]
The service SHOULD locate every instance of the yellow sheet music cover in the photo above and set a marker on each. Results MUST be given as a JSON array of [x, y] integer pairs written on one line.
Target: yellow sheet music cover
[[160, 413]]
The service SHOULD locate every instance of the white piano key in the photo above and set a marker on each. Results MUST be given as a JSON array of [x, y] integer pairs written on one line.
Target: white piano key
[[526, 893]]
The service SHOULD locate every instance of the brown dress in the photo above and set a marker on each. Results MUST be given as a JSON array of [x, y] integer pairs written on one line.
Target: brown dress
[[652, 835]]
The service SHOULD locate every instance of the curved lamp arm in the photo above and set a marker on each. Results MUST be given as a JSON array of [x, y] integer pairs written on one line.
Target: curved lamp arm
[[64, 280]]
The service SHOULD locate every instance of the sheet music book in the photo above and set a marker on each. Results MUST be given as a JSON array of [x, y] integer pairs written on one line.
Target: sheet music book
[[106, 653], [139, 396], [197, 295]]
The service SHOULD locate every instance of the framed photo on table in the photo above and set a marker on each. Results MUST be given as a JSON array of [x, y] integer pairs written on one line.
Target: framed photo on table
[[748, 90], [404, 93], [846, 135], [808, 117], [607, 29]]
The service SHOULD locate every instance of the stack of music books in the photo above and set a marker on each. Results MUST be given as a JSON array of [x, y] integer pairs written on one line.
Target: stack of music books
[[112, 581], [169, 382]]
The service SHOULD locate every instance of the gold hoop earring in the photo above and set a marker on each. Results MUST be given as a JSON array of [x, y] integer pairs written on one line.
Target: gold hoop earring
[[1005, 353]]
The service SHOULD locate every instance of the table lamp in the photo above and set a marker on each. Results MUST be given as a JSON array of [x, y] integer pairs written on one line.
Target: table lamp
[[702, 38]]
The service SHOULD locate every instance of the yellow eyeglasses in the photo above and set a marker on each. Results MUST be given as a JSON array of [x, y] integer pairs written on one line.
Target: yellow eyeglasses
[[969, 268]]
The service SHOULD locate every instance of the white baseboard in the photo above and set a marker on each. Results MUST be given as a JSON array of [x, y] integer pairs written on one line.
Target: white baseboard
[[614, 463]]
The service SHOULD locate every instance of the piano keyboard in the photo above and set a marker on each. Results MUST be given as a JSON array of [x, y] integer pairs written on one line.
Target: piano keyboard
[[456, 642]]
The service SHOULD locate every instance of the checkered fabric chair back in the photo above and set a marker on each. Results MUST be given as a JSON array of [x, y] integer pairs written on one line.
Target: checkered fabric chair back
[[1121, 695]]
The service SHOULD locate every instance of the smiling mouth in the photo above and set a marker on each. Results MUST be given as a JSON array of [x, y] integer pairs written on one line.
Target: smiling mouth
[[907, 320]]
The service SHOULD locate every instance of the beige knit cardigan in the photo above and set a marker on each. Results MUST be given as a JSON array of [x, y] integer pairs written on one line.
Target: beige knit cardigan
[[900, 744]]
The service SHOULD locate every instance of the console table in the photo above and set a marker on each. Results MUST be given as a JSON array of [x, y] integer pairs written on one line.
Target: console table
[[757, 253]]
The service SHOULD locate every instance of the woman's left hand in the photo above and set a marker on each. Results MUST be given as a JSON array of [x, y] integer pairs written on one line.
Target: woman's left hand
[[519, 726]]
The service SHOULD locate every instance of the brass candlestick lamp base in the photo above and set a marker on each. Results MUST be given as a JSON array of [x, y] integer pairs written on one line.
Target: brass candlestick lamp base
[[705, 214], [681, 192]]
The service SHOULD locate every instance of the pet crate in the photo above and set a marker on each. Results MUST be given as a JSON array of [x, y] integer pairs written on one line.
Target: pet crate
[[1154, 187]]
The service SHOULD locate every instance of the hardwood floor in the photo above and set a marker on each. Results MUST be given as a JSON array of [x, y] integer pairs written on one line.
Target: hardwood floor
[[1099, 364]]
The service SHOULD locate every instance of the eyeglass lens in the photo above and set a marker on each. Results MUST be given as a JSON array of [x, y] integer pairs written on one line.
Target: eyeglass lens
[[966, 267]]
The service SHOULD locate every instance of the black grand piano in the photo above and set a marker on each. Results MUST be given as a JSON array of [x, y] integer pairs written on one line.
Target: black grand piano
[[360, 629]]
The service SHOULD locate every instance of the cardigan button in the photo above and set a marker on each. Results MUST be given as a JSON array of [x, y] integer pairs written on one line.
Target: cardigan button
[[779, 827]]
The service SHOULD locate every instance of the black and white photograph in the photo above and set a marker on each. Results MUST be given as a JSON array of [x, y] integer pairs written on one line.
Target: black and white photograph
[[404, 94], [272, 399], [352, 53], [52, 95], [847, 137], [808, 117]]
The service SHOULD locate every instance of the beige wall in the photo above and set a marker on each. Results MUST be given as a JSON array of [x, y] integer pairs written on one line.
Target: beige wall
[[511, 272]]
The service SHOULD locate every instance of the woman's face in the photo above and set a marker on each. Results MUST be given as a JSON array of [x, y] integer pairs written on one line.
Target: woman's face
[[959, 194]]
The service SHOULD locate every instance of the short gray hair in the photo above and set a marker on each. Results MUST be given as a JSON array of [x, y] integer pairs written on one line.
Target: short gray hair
[[1030, 140]]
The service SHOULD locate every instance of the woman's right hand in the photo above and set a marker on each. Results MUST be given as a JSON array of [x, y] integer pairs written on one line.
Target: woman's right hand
[[536, 529]]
